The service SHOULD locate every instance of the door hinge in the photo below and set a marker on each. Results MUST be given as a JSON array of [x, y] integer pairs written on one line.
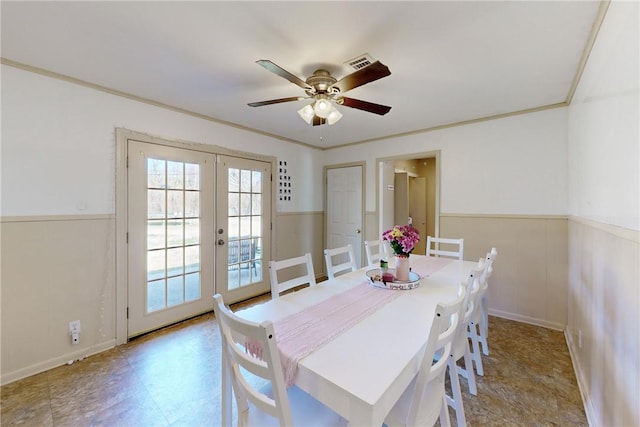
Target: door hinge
[[271, 226], [127, 237], [127, 312], [127, 162]]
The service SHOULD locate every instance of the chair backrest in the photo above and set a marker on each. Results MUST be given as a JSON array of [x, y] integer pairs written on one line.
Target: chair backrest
[[473, 286], [436, 250], [489, 259], [303, 262], [374, 251], [340, 260], [428, 396], [249, 350]]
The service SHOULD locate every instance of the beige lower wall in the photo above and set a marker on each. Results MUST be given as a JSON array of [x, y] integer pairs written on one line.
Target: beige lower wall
[[301, 232], [55, 270], [298, 233], [529, 283], [603, 330]]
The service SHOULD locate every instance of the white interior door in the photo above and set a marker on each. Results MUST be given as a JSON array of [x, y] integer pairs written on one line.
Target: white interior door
[[344, 209], [243, 230], [170, 235]]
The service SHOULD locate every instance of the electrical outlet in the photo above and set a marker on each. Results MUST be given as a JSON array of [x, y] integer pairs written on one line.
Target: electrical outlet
[[74, 327]]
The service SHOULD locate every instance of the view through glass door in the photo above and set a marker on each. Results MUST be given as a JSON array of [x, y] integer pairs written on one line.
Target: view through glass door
[[170, 235], [243, 231]]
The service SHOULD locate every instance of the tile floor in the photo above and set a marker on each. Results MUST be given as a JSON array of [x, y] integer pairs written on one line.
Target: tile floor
[[172, 378]]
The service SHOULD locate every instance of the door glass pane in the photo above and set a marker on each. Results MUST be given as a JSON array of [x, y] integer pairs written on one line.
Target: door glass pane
[[156, 234], [245, 180], [175, 175], [155, 203], [192, 287], [173, 233], [234, 204], [234, 180], [192, 232], [156, 173], [192, 204], [155, 264], [192, 259], [155, 295], [244, 227], [256, 182], [191, 176]]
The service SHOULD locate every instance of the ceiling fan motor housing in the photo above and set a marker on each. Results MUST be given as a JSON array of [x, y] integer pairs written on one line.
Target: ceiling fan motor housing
[[321, 82]]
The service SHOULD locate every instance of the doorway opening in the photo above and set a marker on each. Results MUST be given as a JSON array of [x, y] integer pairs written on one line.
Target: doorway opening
[[409, 192]]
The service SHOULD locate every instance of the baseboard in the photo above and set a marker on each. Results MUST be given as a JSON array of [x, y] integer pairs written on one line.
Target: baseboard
[[526, 319], [56, 361], [588, 407]]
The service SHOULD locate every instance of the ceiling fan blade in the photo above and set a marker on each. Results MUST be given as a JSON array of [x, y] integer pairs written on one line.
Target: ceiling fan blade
[[364, 105], [276, 69], [368, 74], [276, 101]]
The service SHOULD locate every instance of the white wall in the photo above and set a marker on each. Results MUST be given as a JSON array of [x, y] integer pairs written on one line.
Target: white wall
[[58, 146], [503, 184], [604, 188], [58, 172], [604, 182], [515, 165]]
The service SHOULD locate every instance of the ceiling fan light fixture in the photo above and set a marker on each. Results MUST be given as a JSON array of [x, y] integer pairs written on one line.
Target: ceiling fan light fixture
[[322, 107], [306, 113], [334, 116]]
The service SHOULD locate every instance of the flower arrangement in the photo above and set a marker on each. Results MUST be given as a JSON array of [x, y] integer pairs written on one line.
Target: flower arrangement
[[402, 238]]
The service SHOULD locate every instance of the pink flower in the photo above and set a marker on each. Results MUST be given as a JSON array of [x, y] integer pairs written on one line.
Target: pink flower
[[402, 238]]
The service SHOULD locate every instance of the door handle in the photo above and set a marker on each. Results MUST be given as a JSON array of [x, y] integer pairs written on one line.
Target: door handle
[[220, 242], [357, 231]]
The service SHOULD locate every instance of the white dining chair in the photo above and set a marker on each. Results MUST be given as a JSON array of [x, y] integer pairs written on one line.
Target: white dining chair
[[423, 402], [286, 268], [257, 380], [473, 328], [340, 261], [374, 251], [460, 350], [484, 320], [456, 246]]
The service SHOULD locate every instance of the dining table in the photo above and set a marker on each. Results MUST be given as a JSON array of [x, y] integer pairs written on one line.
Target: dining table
[[362, 371]]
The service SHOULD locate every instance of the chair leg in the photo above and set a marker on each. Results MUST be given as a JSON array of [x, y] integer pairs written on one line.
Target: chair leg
[[484, 327], [455, 400], [475, 344], [471, 377], [445, 421]]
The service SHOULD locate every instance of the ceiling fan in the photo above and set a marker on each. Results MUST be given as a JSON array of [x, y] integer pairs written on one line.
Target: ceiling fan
[[323, 88]]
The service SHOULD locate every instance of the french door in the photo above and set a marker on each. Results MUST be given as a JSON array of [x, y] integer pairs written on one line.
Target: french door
[[170, 228], [243, 230], [198, 224]]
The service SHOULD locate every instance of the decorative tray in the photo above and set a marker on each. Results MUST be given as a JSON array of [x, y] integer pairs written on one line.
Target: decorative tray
[[375, 277]]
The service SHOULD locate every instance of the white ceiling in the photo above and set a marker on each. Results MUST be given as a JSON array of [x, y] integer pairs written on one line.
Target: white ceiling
[[451, 61]]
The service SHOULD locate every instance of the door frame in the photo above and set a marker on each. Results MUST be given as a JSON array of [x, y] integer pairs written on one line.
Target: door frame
[[122, 142], [363, 227], [380, 199]]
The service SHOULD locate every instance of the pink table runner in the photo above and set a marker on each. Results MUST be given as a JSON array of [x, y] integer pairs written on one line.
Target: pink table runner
[[424, 266], [299, 334]]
